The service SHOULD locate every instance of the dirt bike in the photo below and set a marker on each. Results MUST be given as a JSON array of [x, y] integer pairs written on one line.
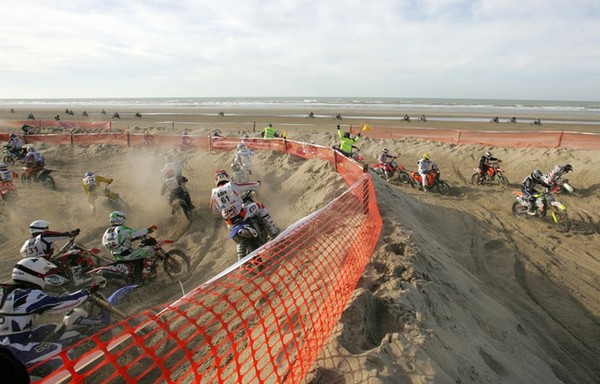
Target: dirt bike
[[249, 235], [433, 181], [179, 202], [175, 262], [38, 174], [11, 156], [493, 173], [392, 168], [562, 186], [7, 191], [544, 202], [91, 317], [73, 261]]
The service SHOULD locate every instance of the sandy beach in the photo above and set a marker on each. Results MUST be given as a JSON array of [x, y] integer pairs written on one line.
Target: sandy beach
[[464, 292]]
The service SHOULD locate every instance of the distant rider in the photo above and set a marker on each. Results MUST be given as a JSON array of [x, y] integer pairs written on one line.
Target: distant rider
[[528, 188], [242, 164], [425, 166], [175, 185], [557, 172], [91, 182], [34, 160], [226, 199], [382, 160], [24, 300], [485, 163], [15, 145], [117, 239], [346, 142], [6, 177]]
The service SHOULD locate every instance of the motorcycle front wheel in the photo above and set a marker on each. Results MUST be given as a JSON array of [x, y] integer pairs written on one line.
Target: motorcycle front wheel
[[503, 180], [443, 188], [404, 177], [9, 160], [48, 182], [176, 264], [518, 209], [475, 178], [561, 220]]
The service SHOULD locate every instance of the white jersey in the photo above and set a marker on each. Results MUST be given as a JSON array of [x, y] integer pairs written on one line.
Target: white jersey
[[425, 166], [243, 158], [227, 199], [176, 166], [172, 183], [6, 175], [34, 157]]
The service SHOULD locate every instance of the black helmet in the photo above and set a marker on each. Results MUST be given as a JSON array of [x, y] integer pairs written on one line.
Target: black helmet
[[347, 135], [568, 168], [537, 175]]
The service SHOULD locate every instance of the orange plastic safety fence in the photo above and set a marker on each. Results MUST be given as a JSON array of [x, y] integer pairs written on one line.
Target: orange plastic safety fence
[[263, 320]]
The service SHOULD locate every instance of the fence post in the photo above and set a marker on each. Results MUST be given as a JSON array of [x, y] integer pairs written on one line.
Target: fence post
[[458, 138], [128, 140], [560, 137], [71, 139], [335, 155], [285, 145]]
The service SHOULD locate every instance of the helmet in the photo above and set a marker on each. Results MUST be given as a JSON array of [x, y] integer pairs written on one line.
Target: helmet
[[3, 166], [32, 270], [385, 150], [38, 226], [241, 146], [426, 156], [169, 173], [221, 177], [12, 135], [88, 174], [116, 218], [568, 168], [488, 154], [347, 135], [30, 149], [537, 175]]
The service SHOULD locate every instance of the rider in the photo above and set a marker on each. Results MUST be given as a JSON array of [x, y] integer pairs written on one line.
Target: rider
[[15, 145], [557, 172], [346, 142], [425, 165], [34, 160], [175, 184], [528, 188], [118, 239], [22, 301], [6, 177], [484, 164], [383, 161], [226, 200], [41, 242], [242, 163], [90, 183]]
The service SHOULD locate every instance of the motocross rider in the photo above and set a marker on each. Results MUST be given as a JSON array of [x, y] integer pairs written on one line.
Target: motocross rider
[[383, 162], [557, 172], [34, 160], [90, 183], [226, 199], [346, 142], [15, 145], [242, 164], [425, 165], [175, 185], [118, 239], [484, 164], [22, 301], [6, 176], [528, 188]]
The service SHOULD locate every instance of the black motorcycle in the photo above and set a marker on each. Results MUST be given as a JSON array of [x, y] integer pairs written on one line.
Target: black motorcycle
[[11, 155]]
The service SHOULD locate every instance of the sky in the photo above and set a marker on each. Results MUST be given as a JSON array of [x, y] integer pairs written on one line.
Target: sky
[[490, 49]]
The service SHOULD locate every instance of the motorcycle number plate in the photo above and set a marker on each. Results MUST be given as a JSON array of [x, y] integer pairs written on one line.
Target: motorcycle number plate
[[123, 268]]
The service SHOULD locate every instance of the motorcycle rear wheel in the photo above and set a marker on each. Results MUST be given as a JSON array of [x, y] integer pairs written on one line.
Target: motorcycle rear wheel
[[176, 264]]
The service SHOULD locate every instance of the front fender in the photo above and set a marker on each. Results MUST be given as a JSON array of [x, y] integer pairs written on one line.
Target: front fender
[[558, 205]]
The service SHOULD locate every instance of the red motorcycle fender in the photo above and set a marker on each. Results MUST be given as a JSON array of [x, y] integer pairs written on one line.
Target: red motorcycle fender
[[165, 242]]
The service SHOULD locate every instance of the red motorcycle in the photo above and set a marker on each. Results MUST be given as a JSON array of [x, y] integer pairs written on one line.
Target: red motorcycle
[[38, 174], [7, 191], [493, 173], [391, 169], [433, 181]]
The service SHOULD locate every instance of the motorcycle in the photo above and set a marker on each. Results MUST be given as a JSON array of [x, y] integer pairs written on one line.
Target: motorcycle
[[562, 186], [91, 317], [114, 199], [544, 202], [176, 264], [7, 191], [433, 181], [249, 235], [11, 156], [73, 262], [392, 168], [179, 202], [37, 174], [493, 173]]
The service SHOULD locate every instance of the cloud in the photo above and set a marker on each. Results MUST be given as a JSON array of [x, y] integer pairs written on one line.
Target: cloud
[[430, 48]]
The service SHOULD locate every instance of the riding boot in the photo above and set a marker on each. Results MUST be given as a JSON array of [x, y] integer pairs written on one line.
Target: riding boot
[[78, 279], [267, 221]]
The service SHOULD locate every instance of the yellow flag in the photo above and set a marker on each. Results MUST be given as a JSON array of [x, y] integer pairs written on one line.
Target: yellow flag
[[365, 127], [284, 134]]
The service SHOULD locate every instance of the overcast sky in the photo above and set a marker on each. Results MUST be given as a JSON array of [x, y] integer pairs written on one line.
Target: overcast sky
[[507, 49]]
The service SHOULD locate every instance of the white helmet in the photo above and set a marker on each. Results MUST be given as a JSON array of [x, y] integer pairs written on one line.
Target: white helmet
[[488, 154], [32, 270], [117, 218], [385, 150], [3, 166], [38, 226]]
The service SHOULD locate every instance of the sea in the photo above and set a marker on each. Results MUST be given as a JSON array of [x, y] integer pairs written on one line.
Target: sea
[[478, 110]]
